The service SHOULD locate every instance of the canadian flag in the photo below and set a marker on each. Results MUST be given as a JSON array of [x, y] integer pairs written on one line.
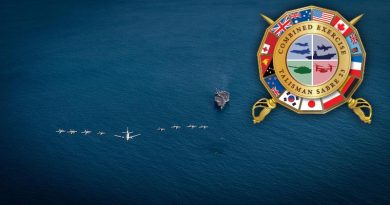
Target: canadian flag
[[341, 26]]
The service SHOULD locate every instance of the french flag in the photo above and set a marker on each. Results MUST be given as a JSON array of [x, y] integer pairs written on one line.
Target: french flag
[[356, 66]]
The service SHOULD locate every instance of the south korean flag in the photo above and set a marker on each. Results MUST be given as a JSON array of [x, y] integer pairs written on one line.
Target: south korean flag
[[290, 99]]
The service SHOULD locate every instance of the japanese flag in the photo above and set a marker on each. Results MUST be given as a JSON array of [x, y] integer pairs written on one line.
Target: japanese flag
[[311, 104]]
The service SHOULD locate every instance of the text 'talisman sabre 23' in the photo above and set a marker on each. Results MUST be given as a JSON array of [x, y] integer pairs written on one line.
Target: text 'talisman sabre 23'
[[311, 60]]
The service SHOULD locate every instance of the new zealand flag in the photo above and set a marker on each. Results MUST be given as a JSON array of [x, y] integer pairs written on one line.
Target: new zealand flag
[[301, 16], [274, 84]]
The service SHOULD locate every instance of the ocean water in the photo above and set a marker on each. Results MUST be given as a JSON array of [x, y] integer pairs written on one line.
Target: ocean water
[[145, 64]]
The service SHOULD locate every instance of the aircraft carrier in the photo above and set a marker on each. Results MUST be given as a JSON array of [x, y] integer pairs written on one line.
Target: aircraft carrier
[[221, 98]]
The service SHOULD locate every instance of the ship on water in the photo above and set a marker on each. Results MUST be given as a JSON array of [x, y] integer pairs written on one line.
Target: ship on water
[[221, 98], [325, 57]]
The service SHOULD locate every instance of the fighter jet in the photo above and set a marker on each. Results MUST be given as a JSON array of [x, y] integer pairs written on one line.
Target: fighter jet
[[323, 47], [86, 132], [176, 127], [161, 129], [301, 52], [203, 127], [302, 44], [72, 131], [59, 131], [101, 133], [191, 126], [127, 136]]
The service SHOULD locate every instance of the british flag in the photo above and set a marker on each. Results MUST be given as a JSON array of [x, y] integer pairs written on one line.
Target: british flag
[[282, 26]]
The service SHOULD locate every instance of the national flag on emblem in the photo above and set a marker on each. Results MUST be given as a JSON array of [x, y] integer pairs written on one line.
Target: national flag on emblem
[[353, 38], [282, 26], [340, 25], [301, 16], [274, 84], [356, 66], [322, 16], [265, 62], [269, 44], [266, 48], [353, 44], [348, 86], [332, 100], [311, 104], [290, 99], [269, 70]]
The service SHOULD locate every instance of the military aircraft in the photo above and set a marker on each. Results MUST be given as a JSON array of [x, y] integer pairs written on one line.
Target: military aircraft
[[127, 136], [132, 137], [323, 47], [72, 131], [191, 126], [302, 44], [176, 127], [86, 132], [161, 129], [59, 131], [301, 52], [101, 133], [203, 127], [323, 69]]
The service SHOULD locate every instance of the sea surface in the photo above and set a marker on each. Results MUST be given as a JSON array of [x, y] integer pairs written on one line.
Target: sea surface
[[106, 65]]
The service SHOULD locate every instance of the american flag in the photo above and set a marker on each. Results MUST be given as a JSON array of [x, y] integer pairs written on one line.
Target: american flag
[[322, 16], [282, 26], [353, 38]]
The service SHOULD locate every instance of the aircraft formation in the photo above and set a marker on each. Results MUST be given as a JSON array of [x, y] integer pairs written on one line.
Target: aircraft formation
[[315, 56], [127, 135]]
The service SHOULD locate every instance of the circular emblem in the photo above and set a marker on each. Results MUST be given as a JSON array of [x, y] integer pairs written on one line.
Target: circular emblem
[[311, 60]]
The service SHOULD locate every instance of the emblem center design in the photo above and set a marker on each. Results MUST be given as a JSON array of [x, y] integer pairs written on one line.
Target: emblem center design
[[312, 60]]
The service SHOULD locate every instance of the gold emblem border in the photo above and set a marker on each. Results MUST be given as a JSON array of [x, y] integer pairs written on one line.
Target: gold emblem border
[[275, 98]]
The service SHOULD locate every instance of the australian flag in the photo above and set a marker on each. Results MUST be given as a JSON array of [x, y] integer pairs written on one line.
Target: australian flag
[[274, 85], [301, 16]]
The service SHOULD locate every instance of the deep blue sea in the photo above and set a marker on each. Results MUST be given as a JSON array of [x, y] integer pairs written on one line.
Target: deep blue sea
[[105, 65]]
